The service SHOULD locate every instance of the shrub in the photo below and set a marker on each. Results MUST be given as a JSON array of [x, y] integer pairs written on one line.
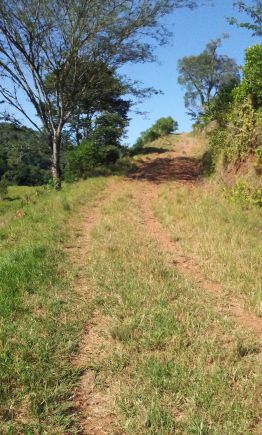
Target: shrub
[[240, 131], [83, 160], [252, 79], [162, 127], [246, 194]]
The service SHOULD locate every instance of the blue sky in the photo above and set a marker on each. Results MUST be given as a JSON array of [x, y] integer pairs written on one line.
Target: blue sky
[[192, 30]]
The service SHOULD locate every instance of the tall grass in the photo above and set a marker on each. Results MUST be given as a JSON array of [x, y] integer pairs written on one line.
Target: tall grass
[[183, 367], [38, 325], [223, 238]]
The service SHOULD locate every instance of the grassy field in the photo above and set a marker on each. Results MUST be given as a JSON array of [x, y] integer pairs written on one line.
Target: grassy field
[[39, 327], [183, 367], [160, 349], [223, 238]]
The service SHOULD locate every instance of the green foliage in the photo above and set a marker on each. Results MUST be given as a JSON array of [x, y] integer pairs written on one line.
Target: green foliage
[[102, 148], [220, 104], [239, 137], [3, 188], [246, 194], [109, 129], [162, 127], [238, 112], [84, 160], [259, 155], [24, 155], [252, 76]]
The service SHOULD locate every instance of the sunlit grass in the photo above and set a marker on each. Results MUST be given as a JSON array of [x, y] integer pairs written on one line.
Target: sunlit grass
[[223, 239], [38, 326], [180, 363]]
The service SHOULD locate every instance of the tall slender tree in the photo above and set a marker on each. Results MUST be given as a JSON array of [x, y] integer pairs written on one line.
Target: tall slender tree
[[59, 38]]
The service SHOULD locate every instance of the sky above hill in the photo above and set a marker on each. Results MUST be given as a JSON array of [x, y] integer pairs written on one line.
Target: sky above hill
[[192, 30]]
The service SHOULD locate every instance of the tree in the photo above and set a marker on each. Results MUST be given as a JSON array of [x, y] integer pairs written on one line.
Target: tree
[[204, 75], [108, 129], [61, 39], [105, 94], [254, 12], [165, 126], [219, 105]]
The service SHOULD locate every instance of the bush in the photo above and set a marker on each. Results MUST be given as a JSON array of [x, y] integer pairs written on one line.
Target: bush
[[108, 154], [246, 194], [165, 126], [252, 74], [162, 127], [83, 160], [239, 113]]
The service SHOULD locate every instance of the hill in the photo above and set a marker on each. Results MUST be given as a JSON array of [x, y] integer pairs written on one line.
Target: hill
[[132, 304]]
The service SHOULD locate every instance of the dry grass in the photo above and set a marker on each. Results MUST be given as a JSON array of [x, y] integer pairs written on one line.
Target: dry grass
[[182, 366], [223, 239]]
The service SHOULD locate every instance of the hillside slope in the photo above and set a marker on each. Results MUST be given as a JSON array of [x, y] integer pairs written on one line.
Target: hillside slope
[[173, 268], [149, 319]]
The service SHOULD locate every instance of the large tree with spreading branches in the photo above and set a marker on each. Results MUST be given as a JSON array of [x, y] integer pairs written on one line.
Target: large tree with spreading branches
[[54, 53], [203, 76]]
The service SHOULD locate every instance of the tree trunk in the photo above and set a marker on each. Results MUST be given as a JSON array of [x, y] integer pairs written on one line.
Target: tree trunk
[[56, 170]]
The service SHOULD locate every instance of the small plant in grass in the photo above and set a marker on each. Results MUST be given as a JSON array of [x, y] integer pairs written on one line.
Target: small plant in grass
[[259, 155]]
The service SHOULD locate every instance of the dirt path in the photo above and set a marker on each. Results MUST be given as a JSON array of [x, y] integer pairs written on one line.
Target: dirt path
[[178, 165], [95, 403], [233, 307]]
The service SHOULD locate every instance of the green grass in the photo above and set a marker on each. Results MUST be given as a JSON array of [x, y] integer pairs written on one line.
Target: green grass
[[183, 367], [38, 326], [221, 237]]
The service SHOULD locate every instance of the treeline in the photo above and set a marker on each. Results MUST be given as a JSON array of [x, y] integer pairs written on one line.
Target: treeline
[[24, 156]]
